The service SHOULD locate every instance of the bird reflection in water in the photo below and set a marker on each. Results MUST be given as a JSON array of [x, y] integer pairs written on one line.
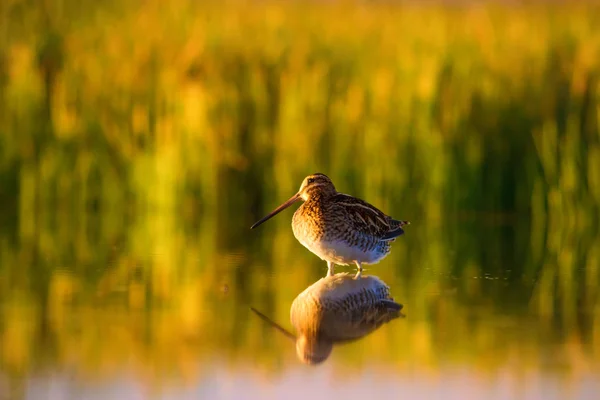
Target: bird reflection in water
[[337, 309]]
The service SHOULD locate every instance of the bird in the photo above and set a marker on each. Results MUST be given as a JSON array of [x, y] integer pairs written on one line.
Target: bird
[[339, 228], [334, 310]]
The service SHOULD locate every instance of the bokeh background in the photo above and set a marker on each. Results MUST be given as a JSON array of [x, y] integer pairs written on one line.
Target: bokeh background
[[139, 140]]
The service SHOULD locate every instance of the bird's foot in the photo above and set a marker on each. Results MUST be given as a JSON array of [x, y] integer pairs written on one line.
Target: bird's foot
[[330, 268], [360, 270]]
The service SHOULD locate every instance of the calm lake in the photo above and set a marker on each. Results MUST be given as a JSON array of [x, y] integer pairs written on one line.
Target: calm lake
[[167, 315]]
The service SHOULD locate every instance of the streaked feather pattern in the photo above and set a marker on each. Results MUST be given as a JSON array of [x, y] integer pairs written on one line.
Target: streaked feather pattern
[[365, 218]]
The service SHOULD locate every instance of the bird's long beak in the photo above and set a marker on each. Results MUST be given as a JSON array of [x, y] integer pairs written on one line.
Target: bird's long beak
[[279, 209]]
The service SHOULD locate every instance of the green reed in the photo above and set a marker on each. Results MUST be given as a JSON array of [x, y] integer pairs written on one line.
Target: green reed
[[479, 106]]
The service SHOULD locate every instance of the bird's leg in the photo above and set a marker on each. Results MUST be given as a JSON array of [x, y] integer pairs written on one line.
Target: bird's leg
[[330, 267], [359, 273]]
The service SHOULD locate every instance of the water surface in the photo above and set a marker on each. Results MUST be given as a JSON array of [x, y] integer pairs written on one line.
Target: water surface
[[484, 317]]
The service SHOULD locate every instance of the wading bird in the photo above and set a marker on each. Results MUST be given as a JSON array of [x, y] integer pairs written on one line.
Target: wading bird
[[339, 228]]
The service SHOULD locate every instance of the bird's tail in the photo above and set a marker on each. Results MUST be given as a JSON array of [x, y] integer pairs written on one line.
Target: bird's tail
[[400, 224], [395, 231]]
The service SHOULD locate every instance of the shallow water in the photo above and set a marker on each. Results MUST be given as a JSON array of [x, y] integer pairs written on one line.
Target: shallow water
[[155, 317]]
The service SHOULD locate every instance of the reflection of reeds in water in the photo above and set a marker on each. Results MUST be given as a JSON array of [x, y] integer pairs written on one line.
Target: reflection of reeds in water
[[337, 309]]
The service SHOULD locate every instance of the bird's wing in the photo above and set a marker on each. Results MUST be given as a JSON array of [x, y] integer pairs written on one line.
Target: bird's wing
[[367, 218]]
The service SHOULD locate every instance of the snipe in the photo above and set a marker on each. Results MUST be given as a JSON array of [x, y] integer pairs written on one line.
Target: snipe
[[339, 228]]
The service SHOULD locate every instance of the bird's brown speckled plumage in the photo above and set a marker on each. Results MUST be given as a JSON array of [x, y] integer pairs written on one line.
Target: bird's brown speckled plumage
[[339, 228]]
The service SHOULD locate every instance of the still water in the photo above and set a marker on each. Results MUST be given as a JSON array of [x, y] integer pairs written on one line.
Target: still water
[[167, 315]]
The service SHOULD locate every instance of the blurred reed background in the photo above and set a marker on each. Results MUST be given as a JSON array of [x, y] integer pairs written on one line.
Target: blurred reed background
[[139, 141]]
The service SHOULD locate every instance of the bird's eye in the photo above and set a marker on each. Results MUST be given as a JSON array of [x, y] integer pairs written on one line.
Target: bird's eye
[[310, 180]]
